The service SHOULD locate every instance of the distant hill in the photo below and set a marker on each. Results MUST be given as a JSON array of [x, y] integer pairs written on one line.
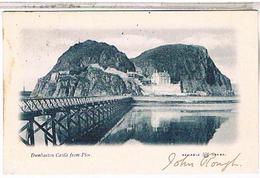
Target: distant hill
[[82, 71], [188, 64], [80, 55], [75, 75]]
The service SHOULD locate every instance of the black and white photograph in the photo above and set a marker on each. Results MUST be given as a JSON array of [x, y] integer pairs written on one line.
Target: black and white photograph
[[129, 86], [172, 84]]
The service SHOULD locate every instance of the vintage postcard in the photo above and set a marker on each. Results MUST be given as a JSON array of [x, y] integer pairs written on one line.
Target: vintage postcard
[[127, 92]]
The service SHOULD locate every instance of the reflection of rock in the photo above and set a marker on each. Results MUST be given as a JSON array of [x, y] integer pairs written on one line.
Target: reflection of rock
[[152, 127], [188, 64], [159, 116], [226, 134], [193, 129]]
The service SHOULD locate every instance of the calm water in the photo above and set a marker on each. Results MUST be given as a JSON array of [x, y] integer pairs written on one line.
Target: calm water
[[175, 124], [167, 123]]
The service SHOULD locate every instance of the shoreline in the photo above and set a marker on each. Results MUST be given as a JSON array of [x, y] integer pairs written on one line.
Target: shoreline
[[185, 99]]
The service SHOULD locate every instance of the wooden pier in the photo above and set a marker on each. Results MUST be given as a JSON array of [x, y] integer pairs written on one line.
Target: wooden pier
[[64, 120]]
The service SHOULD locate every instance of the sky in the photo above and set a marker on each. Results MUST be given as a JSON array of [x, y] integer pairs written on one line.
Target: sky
[[42, 47]]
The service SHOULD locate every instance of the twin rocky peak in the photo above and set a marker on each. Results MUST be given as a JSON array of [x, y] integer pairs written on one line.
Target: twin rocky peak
[[91, 68]]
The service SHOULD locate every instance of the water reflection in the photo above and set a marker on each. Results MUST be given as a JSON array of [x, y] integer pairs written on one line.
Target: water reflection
[[166, 125]]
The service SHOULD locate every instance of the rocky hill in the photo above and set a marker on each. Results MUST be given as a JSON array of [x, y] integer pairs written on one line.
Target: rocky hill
[[74, 74], [79, 56], [83, 71], [188, 64]]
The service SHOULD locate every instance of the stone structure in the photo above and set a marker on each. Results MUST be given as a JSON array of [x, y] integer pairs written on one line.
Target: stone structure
[[161, 78]]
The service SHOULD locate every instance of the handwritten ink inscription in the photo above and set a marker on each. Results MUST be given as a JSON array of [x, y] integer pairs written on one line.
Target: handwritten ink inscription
[[209, 160]]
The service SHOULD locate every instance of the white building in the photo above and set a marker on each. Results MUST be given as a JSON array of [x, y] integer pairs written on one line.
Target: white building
[[64, 72], [55, 75], [160, 78]]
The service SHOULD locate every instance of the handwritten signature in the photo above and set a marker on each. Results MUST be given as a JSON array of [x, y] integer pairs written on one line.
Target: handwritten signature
[[209, 161]]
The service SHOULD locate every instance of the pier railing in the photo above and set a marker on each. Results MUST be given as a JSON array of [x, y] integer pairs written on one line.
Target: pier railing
[[64, 120], [34, 105]]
